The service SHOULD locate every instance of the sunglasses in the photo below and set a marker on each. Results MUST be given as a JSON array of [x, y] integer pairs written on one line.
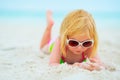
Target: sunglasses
[[75, 43]]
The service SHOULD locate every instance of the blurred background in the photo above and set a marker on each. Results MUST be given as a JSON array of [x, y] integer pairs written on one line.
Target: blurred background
[[24, 21]]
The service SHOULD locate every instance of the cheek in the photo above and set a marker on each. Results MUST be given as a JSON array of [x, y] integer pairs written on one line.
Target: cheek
[[76, 49], [70, 48], [84, 49]]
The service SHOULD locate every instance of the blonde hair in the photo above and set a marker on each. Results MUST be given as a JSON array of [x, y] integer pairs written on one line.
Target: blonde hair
[[77, 22]]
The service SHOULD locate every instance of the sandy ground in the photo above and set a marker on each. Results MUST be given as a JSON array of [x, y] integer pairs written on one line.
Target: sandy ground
[[21, 59]]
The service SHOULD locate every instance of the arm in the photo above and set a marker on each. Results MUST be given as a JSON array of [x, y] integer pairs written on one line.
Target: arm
[[96, 59], [91, 64], [55, 54], [96, 63]]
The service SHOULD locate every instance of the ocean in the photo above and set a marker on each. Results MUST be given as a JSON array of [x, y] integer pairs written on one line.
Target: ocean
[[102, 19]]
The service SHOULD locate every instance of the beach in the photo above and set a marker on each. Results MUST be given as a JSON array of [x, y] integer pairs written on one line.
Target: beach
[[21, 58]]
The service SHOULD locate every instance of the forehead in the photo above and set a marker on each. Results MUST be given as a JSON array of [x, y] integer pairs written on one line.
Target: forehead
[[80, 37]]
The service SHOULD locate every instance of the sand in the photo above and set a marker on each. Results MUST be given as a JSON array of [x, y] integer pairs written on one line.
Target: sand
[[21, 59]]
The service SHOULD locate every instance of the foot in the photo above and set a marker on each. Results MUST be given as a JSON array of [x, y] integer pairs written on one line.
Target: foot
[[50, 21]]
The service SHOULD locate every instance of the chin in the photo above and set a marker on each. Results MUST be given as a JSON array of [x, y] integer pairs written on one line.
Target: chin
[[77, 52]]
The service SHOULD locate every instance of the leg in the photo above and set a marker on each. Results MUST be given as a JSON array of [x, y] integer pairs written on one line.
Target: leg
[[47, 34]]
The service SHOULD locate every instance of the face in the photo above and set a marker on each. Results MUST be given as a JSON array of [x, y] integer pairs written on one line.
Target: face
[[80, 38]]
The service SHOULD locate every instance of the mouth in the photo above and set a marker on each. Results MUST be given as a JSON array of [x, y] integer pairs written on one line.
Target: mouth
[[78, 51]]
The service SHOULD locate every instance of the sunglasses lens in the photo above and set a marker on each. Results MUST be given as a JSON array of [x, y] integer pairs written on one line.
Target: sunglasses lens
[[73, 43], [87, 44]]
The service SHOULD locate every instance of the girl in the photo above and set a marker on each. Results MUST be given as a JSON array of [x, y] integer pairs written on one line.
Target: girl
[[77, 43]]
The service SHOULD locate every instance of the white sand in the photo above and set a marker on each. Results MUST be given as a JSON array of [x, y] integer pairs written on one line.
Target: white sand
[[21, 59]]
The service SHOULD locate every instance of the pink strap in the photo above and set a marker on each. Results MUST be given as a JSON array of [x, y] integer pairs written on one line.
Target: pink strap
[[83, 57]]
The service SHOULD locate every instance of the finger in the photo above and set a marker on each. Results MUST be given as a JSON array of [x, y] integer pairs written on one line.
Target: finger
[[84, 65], [97, 66], [92, 60], [76, 64]]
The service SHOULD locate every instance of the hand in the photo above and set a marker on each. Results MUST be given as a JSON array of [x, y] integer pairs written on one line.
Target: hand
[[84, 65], [76, 64], [92, 64]]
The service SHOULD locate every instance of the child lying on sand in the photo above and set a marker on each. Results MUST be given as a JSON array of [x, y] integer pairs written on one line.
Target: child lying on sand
[[77, 42]]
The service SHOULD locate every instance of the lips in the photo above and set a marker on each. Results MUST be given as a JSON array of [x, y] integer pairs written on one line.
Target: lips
[[78, 51]]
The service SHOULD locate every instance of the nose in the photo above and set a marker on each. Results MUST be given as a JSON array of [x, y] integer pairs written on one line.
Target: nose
[[80, 47]]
